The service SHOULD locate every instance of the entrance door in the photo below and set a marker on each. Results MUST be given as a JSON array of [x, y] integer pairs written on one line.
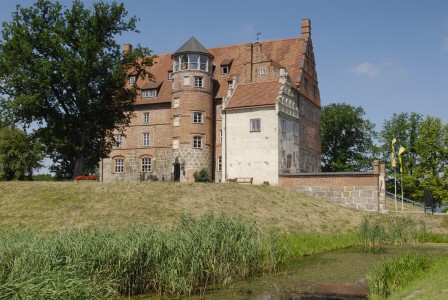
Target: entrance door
[[176, 172]]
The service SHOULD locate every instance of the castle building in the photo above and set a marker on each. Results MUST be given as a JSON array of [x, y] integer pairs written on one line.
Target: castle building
[[242, 111]]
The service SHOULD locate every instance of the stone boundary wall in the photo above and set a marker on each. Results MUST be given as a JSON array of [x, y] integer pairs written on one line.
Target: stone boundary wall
[[359, 190]]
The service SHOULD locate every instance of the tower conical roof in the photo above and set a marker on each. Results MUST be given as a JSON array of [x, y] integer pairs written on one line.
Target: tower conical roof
[[192, 45]]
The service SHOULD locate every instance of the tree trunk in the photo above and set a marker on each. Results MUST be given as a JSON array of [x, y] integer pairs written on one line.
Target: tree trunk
[[78, 168]]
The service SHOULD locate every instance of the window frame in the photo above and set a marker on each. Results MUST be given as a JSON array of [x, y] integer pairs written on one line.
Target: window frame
[[119, 167], [118, 140], [132, 79], [146, 139], [283, 125], [219, 164], [198, 117], [225, 69], [198, 81], [262, 71], [145, 167], [146, 117], [149, 93], [257, 123], [197, 142]]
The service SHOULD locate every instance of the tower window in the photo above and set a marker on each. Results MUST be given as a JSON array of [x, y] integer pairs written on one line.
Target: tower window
[[198, 117], [197, 142], [198, 81]]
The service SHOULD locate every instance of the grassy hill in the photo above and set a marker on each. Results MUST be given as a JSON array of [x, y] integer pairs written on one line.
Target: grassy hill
[[50, 206]]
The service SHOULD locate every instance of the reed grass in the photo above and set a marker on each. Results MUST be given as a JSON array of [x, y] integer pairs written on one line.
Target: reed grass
[[389, 230], [104, 262], [396, 273]]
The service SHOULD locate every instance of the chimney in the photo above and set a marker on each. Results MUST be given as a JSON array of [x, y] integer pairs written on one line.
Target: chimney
[[127, 48], [306, 27]]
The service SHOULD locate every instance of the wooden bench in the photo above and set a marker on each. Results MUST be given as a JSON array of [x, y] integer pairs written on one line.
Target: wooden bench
[[244, 180]]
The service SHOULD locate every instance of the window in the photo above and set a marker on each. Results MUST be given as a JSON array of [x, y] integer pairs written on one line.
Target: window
[[194, 64], [149, 93], [203, 61], [198, 117], [262, 71], [131, 79], [119, 165], [170, 75], [224, 70], [230, 83], [197, 142], [176, 103], [198, 81], [219, 164], [191, 61], [118, 140], [176, 121], [255, 125], [146, 117], [283, 126], [314, 90], [186, 80], [175, 143], [146, 164], [220, 136], [146, 139], [306, 84], [295, 130]]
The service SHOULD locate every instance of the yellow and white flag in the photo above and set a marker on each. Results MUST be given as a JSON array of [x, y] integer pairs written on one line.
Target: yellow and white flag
[[393, 162], [400, 151]]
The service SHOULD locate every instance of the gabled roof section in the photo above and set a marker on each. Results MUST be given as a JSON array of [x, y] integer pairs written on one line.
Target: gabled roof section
[[254, 94], [192, 45]]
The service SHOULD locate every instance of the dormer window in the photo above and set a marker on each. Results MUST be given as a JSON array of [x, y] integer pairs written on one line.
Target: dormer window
[[224, 70], [132, 79], [151, 93]]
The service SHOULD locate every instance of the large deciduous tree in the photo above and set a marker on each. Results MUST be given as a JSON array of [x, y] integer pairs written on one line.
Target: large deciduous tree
[[19, 154], [62, 69], [404, 128], [432, 167], [347, 138]]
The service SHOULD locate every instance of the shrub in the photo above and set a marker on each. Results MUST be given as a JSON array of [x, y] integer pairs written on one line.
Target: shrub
[[201, 176]]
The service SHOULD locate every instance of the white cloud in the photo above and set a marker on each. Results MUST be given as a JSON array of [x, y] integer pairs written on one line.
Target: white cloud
[[365, 68], [386, 67]]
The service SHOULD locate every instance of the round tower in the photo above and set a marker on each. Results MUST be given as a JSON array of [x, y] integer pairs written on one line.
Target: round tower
[[192, 110]]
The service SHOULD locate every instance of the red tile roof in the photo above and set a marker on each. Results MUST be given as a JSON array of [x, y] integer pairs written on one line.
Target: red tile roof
[[254, 94], [285, 53]]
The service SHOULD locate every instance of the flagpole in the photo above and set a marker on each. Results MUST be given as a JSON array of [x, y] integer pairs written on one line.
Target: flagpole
[[395, 172], [401, 191]]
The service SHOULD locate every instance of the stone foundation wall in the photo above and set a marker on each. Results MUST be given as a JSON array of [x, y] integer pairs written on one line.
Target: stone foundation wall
[[364, 191]]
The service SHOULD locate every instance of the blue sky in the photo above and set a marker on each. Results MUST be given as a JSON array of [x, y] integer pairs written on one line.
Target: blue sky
[[385, 56]]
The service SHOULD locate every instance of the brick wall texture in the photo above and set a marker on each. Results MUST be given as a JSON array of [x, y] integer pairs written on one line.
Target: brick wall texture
[[354, 190]]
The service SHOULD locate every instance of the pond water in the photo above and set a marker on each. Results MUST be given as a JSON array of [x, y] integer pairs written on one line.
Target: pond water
[[334, 275]]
